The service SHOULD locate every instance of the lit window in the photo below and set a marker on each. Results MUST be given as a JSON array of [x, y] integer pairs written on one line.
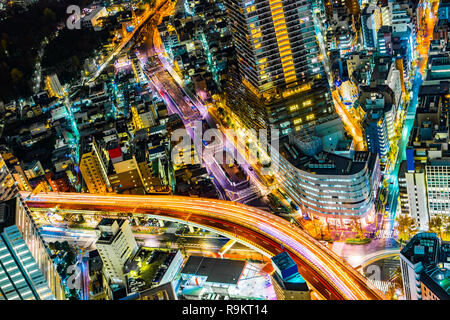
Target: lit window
[[298, 121]]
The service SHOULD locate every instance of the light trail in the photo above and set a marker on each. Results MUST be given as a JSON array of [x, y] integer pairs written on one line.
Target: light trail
[[249, 224], [149, 13], [350, 122]]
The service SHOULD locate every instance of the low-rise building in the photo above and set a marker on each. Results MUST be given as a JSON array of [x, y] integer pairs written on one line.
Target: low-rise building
[[426, 268], [115, 245], [287, 282]]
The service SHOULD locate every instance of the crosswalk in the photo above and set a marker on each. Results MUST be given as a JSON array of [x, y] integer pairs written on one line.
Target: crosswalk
[[386, 234], [383, 286]]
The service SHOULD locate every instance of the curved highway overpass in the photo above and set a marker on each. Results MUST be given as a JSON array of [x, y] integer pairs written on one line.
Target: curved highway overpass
[[324, 270], [378, 255]]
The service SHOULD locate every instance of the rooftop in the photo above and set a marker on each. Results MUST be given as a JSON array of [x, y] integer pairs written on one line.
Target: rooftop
[[326, 163], [146, 268], [283, 261], [431, 255], [216, 270]]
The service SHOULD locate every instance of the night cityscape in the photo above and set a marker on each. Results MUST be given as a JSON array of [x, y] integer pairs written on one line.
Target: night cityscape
[[211, 150]]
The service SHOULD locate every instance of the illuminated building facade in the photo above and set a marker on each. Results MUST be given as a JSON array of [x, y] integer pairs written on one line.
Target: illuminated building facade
[[127, 176], [53, 86], [379, 104], [427, 156], [19, 230], [287, 282], [93, 168], [425, 268], [20, 276], [384, 40], [142, 117], [278, 63], [370, 24], [275, 42], [115, 245], [8, 187], [325, 184], [376, 133]]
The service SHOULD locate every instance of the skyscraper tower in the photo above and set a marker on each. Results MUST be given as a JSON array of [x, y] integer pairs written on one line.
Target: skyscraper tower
[[20, 275], [17, 228], [275, 42], [278, 61]]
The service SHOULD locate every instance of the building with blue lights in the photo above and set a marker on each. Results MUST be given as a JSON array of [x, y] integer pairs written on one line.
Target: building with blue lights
[[444, 10], [428, 172], [384, 40], [370, 23], [376, 132], [426, 268], [20, 275], [334, 187], [287, 282]]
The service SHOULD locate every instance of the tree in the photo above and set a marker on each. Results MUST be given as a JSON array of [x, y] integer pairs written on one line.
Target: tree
[[318, 228], [395, 284], [356, 226], [407, 227], [57, 245], [49, 14], [436, 225], [16, 75], [75, 61], [51, 246], [4, 44], [447, 227]]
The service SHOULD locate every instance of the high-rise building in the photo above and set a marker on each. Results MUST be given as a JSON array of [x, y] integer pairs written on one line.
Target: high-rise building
[[428, 158], [23, 221], [375, 130], [356, 60], [93, 167], [378, 101], [20, 276], [327, 185], [444, 10], [402, 188], [115, 245], [425, 268], [127, 175], [370, 23], [275, 42], [278, 64]]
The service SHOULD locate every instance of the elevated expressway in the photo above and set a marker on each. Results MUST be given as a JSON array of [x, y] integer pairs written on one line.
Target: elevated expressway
[[326, 272], [378, 255]]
